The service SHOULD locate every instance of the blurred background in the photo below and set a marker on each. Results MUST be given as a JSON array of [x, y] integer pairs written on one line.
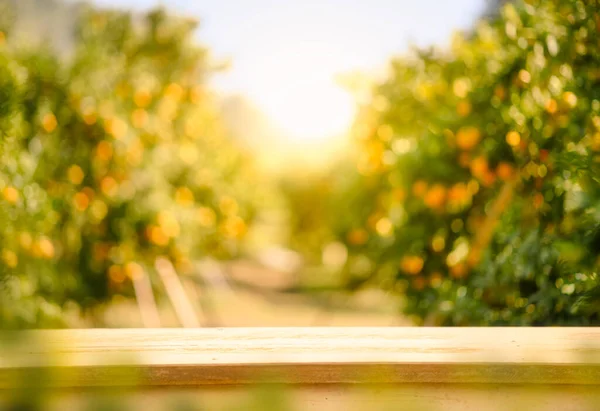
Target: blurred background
[[257, 163]]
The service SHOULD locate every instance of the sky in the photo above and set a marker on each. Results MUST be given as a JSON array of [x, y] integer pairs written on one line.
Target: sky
[[285, 55]]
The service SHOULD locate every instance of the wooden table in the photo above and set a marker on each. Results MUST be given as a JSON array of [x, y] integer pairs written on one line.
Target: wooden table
[[319, 368]]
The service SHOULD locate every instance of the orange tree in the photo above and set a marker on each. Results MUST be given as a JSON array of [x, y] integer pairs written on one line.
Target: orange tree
[[111, 157], [485, 158]]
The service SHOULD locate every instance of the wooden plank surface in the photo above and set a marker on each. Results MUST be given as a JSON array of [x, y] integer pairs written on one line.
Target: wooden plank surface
[[361, 397], [195, 357]]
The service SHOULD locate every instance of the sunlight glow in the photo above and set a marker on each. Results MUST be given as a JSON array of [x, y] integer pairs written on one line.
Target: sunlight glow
[[295, 87], [310, 112]]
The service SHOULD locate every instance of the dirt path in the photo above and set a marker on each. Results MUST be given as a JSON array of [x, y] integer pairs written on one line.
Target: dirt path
[[250, 295]]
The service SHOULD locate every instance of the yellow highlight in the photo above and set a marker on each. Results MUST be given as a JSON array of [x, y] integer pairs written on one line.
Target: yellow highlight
[[461, 87], [188, 153], [168, 224], [233, 227], [570, 98], [142, 98], [385, 132], [384, 227], [206, 216], [75, 174], [139, 118], [25, 240], [134, 270], [109, 186], [10, 194], [157, 236], [116, 128], [135, 151], [167, 110], [196, 95], [228, 205], [49, 123], [45, 248], [524, 76], [513, 138], [184, 196], [438, 243], [99, 210], [174, 91], [10, 258]]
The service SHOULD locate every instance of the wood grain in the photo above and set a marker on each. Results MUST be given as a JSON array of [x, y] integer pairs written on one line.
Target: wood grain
[[233, 356]]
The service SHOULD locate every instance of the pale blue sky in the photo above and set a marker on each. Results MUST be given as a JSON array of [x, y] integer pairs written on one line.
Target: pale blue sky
[[285, 53]]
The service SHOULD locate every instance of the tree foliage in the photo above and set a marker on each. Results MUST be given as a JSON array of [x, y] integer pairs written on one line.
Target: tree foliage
[[484, 158], [112, 154]]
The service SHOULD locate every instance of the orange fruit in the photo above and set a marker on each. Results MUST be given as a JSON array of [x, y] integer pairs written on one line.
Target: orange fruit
[[467, 138], [419, 283], [81, 201], [463, 108], [500, 92], [436, 196], [505, 171], [412, 264], [419, 188], [489, 178], [459, 271], [116, 275], [142, 98], [459, 193], [358, 236], [479, 167], [551, 106]]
